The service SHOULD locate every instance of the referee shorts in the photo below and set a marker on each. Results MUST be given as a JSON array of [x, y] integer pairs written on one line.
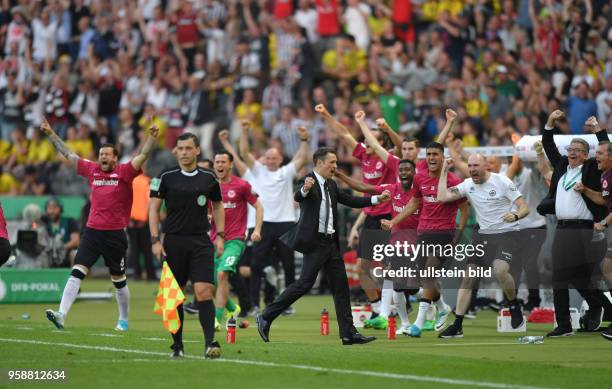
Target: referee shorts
[[190, 257], [110, 244]]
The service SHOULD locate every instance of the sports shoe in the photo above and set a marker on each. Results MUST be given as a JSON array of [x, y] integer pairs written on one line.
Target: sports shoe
[[402, 330], [253, 312], [560, 332], [531, 305], [213, 351], [57, 318], [441, 317], [516, 316], [471, 314], [288, 312], [122, 325], [451, 332], [428, 325], [177, 351], [190, 308], [236, 312], [414, 331], [607, 333], [379, 323], [591, 320]]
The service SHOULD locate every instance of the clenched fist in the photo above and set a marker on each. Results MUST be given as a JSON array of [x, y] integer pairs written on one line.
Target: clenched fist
[[308, 183], [385, 196], [224, 136], [450, 115], [359, 116]]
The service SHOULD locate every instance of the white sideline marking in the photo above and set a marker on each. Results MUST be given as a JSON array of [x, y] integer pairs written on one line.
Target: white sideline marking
[[108, 335], [479, 344], [168, 339], [378, 374]]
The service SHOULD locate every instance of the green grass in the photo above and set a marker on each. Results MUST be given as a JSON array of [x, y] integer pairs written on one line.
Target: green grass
[[483, 356]]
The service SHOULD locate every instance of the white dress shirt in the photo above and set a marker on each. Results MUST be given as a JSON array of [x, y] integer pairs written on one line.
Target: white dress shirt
[[329, 229], [569, 204]]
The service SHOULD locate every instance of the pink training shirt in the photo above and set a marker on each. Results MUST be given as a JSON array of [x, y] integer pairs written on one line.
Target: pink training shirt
[[236, 194], [376, 172], [111, 194], [435, 215], [3, 231]]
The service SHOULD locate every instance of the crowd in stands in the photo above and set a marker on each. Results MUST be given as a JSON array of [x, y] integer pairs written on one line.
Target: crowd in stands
[[104, 71]]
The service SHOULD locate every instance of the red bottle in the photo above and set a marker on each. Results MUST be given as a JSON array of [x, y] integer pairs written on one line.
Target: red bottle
[[391, 327], [230, 336], [324, 322]]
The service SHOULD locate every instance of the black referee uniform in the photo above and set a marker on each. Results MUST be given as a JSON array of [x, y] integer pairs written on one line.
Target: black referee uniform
[[190, 252]]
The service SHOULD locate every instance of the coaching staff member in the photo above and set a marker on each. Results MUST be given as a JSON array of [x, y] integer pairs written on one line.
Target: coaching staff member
[[573, 176], [315, 236], [186, 190]]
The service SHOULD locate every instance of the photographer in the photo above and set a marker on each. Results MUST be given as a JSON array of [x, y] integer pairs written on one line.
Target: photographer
[[63, 235]]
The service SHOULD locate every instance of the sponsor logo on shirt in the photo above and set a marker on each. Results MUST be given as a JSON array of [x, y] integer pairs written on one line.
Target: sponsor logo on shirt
[[397, 208], [431, 199], [379, 165], [398, 197], [229, 205], [105, 182], [492, 193], [231, 193], [372, 176], [604, 184]]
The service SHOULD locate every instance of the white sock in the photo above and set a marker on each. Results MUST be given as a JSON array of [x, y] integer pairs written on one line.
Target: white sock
[[71, 290], [399, 298], [376, 306], [386, 298], [123, 302], [420, 320], [440, 304]]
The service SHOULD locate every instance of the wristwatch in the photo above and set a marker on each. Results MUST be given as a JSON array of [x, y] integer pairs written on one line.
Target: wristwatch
[[155, 239]]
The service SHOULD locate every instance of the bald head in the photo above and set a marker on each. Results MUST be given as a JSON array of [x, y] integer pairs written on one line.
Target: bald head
[[477, 166], [273, 159], [493, 164]]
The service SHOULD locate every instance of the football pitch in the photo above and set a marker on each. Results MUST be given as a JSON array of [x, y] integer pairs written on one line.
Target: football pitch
[[94, 355]]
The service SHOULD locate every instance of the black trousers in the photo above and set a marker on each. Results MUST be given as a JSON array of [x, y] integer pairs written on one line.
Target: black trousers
[[326, 256], [573, 263], [263, 254], [526, 259], [5, 251], [139, 240]]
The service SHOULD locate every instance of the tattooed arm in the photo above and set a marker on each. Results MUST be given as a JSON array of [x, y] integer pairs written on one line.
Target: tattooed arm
[[59, 144]]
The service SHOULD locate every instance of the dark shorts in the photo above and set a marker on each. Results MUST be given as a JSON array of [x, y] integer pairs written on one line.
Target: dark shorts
[[365, 247], [5, 251], [433, 244], [111, 245], [190, 257], [500, 246]]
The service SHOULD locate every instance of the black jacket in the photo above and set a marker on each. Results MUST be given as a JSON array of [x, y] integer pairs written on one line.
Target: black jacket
[[591, 176], [304, 235]]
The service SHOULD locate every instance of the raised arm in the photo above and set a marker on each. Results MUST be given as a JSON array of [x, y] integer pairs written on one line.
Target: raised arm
[[515, 167], [301, 157], [451, 120], [245, 149], [456, 152], [145, 151], [59, 145], [548, 141], [357, 185], [372, 141], [342, 132], [445, 194], [239, 164], [592, 124], [394, 136], [543, 165]]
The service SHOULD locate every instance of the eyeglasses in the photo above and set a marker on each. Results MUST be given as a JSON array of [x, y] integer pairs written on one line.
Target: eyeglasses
[[574, 150]]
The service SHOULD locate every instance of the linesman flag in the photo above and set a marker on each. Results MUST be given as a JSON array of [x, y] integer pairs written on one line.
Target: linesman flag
[[169, 296]]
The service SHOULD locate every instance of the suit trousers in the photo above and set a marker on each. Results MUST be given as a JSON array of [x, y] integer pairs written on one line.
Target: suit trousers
[[326, 256], [573, 264]]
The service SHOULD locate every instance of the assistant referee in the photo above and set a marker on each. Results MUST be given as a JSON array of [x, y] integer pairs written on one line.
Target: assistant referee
[[186, 190]]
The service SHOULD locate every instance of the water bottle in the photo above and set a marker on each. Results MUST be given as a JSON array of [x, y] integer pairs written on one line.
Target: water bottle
[[531, 339], [324, 322], [391, 327], [230, 336]]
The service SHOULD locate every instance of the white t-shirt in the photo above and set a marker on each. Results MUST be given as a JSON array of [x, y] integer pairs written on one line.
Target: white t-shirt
[[531, 185], [491, 201], [357, 24], [275, 190], [250, 178], [308, 20], [44, 43]]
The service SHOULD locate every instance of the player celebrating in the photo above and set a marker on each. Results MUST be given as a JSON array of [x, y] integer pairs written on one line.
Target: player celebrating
[[187, 189], [401, 193], [236, 193], [493, 196], [5, 246], [104, 235]]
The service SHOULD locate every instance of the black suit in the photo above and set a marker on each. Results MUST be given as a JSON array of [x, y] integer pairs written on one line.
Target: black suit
[[574, 253], [320, 252]]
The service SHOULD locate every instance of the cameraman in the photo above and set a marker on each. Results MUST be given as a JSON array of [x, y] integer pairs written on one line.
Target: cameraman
[[63, 235]]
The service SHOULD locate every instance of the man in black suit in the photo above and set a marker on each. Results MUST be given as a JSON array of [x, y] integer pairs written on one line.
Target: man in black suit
[[574, 181], [315, 236]]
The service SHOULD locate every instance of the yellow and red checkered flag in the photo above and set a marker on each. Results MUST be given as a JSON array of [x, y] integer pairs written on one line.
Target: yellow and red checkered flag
[[169, 296]]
